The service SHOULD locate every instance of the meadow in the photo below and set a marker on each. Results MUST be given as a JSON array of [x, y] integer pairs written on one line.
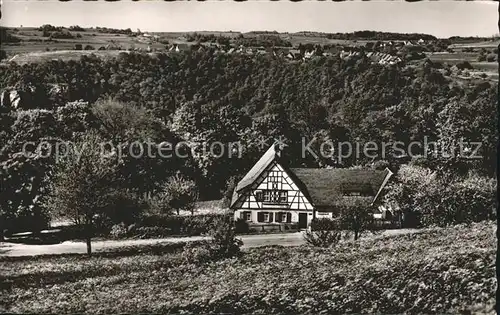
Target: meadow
[[440, 270]]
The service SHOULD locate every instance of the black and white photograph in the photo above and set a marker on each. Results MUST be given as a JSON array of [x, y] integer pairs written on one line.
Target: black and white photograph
[[256, 157]]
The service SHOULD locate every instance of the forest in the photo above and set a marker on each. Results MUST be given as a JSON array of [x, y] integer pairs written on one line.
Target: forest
[[204, 97]]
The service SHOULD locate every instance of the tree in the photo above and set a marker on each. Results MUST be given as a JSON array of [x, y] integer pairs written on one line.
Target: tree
[[82, 183], [180, 193], [462, 124], [138, 135], [441, 198], [356, 217], [410, 191], [22, 178], [126, 122]]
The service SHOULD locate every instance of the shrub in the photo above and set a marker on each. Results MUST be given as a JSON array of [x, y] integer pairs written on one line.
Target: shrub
[[124, 207], [118, 230], [155, 205], [164, 225], [63, 34], [442, 200], [380, 165], [323, 233], [76, 28], [414, 55], [145, 232], [472, 199], [322, 238], [241, 226], [224, 242], [197, 253], [464, 65], [196, 225], [491, 57]]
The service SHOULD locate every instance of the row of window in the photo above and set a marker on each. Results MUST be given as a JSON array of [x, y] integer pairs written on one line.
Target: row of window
[[272, 196], [281, 196], [268, 217]]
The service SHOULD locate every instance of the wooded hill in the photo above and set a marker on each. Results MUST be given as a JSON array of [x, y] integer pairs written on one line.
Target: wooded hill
[[207, 97]]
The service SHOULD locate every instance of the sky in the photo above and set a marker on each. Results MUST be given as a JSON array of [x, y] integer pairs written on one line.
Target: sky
[[438, 18]]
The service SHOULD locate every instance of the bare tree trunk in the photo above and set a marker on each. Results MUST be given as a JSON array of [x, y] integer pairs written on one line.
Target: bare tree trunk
[[2, 238], [89, 247], [88, 235]]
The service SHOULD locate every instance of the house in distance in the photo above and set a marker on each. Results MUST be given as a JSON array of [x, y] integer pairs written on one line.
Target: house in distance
[[273, 196]]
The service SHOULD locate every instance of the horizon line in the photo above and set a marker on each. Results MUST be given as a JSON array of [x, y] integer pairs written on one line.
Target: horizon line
[[259, 30]]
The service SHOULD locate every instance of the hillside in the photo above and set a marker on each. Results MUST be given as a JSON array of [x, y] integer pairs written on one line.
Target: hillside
[[433, 272]]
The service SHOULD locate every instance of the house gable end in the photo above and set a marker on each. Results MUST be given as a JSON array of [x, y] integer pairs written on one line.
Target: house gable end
[[273, 189]]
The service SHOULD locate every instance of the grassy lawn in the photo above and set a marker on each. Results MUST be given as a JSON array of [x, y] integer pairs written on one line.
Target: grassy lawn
[[453, 58], [440, 270], [475, 44]]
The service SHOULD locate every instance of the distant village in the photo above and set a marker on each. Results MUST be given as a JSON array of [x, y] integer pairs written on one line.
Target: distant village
[[372, 50]]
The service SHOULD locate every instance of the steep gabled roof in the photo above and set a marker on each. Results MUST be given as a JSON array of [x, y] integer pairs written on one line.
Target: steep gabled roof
[[271, 154], [325, 187], [269, 157]]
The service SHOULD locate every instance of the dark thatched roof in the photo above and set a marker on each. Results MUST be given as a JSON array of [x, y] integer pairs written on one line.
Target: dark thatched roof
[[326, 187]]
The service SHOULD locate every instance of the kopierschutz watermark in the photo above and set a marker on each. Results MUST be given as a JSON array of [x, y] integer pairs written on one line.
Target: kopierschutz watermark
[[344, 150]]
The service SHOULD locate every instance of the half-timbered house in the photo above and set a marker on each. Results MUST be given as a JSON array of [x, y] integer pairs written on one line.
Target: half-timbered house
[[271, 194]]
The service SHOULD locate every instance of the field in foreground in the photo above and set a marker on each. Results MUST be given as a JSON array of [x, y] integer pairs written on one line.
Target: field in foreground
[[438, 271]]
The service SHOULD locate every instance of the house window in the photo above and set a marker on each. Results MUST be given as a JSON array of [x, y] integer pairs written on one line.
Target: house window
[[283, 196], [357, 190], [267, 196], [283, 217], [275, 196], [259, 197], [274, 180], [246, 215], [264, 217]]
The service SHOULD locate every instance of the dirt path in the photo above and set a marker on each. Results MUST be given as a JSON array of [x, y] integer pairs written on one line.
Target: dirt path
[[249, 241]]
